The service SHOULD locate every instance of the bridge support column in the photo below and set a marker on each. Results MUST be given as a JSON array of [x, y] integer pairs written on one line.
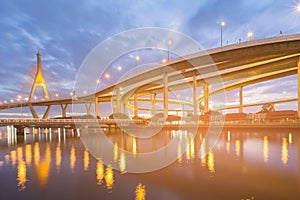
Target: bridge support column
[[298, 87], [123, 108], [206, 96], [241, 100], [34, 115], [118, 100], [88, 107], [64, 110], [195, 95], [153, 103], [135, 105], [96, 107], [166, 95], [45, 116]]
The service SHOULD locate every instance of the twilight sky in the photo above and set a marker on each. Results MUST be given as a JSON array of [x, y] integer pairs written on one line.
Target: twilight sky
[[66, 31]]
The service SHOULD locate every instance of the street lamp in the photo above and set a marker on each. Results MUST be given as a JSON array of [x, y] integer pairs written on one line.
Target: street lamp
[[137, 58], [107, 76], [163, 61], [222, 24], [119, 69], [250, 35], [169, 44]]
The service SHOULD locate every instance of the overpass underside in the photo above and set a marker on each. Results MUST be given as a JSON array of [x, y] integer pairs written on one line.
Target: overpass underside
[[214, 71]]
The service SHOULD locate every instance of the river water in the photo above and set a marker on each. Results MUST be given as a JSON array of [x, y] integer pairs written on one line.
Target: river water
[[54, 164]]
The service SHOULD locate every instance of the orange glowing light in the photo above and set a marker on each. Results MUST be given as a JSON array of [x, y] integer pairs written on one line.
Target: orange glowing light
[[21, 177], [28, 154], [122, 163], [86, 160], [284, 152], [109, 177], [58, 157], [140, 192], [266, 149], [100, 172], [72, 158]]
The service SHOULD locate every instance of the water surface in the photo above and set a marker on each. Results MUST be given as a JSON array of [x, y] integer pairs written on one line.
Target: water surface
[[54, 164]]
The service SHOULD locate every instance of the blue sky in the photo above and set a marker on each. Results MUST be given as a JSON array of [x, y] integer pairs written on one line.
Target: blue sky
[[66, 31]]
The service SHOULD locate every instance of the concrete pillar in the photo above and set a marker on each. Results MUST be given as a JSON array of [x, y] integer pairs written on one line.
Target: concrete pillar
[[88, 107], [195, 95], [123, 108], [34, 114], [298, 87], [96, 107], [118, 100], [241, 100], [45, 116], [206, 97], [166, 94], [64, 110], [153, 103], [135, 105]]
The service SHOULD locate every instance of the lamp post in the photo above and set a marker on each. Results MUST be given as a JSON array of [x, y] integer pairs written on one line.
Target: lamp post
[[222, 24], [169, 44], [137, 58]]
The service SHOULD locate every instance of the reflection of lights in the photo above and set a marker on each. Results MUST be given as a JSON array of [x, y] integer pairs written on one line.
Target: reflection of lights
[[36, 154], [28, 154], [203, 161], [228, 147], [211, 161], [21, 175], [109, 177], [284, 152], [266, 149], [192, 148], [237, 147], [116, 149], [6, 157], [58, 156], [20, 154], [72, 158], [122, 163], [134, 146], [100, 172], [13, 155], [228, 136], [140, 192], [43, 168], [179, 153], [86, 160], [290, 138], [187, 152]]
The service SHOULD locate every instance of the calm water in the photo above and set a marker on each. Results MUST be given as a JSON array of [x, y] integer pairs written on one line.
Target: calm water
[[242, 165]]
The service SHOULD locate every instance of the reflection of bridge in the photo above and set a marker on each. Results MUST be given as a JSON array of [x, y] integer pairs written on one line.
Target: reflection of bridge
[[238, 65]]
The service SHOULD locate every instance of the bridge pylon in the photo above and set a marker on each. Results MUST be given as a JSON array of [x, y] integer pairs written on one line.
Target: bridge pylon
[[39, 80]]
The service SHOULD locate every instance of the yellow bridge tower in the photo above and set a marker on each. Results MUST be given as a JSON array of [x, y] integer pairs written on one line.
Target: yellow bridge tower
[[39, 79]]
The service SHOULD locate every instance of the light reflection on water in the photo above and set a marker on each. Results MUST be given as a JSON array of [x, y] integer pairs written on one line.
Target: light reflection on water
[[57, 159]]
